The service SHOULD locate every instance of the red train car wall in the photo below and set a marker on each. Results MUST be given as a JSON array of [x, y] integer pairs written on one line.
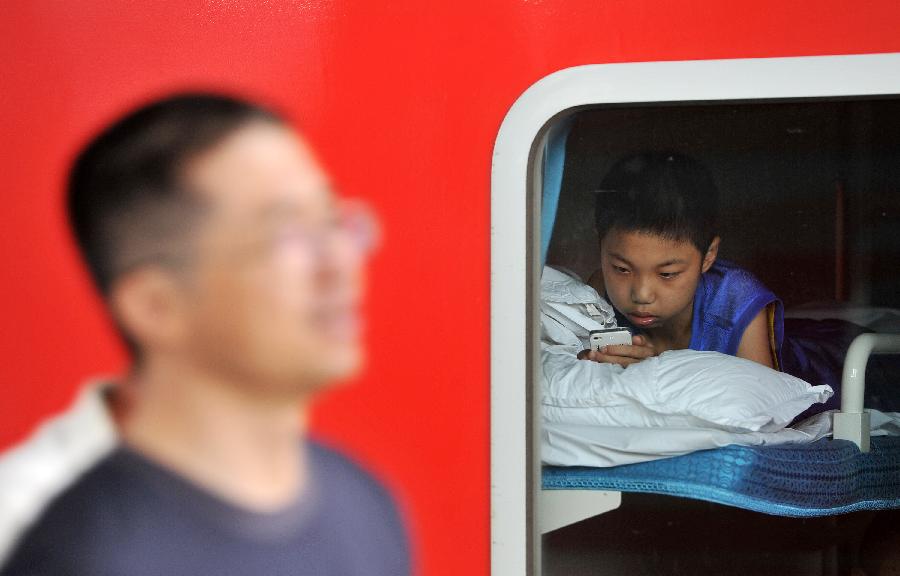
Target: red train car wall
[[403, 101]]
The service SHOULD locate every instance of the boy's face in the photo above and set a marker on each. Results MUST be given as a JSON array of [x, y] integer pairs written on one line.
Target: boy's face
[[650, 279]]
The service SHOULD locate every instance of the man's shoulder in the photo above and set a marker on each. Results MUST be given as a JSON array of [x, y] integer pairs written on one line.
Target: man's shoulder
[[343, 477], [34, 472], [358, 514], [61, 447], [71, 521]]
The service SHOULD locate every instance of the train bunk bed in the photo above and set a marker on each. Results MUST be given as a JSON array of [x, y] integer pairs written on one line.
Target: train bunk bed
[[851, 471], [827, 507]]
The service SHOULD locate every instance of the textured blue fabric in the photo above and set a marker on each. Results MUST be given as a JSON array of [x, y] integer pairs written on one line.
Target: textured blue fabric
[[727, 299], [554, 163], [819, 479]]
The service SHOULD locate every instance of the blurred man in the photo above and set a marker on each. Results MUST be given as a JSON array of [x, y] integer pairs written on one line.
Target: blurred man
[[234, 275]]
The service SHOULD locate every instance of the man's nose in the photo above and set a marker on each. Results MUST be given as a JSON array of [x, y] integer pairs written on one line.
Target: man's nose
[[642, 291]]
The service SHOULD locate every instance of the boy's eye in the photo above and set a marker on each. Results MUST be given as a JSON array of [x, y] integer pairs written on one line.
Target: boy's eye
[[620, 269], [669, 275]]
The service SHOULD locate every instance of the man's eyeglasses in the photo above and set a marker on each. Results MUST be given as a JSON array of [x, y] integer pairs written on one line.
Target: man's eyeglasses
[[351, 220]]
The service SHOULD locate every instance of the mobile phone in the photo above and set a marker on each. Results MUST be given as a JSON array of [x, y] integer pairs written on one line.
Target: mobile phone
[[609, 337]]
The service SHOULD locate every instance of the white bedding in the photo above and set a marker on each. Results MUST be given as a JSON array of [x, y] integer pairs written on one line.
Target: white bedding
[[586, 445], [677, 389]]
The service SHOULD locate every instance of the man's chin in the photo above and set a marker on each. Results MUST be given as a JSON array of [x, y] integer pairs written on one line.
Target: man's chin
[[339, 364]]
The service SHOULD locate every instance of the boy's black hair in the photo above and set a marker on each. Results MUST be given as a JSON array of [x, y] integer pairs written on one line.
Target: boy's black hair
[[126, 198], [663, 193]]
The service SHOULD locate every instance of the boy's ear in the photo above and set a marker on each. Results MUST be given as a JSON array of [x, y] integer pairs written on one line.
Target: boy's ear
[[711, 253]]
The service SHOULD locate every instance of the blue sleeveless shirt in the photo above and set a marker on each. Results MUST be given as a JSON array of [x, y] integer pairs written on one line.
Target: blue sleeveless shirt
[[727, 299]]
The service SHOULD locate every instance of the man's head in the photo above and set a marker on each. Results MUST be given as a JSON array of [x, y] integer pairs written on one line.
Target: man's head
[[656, 218], [211, 229]]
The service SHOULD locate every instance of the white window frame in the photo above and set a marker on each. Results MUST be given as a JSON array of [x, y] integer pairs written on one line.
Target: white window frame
[[515, 231]]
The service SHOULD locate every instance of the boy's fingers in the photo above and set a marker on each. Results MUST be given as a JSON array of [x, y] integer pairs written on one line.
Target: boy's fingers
[[641, 340], [639, 352], [623, 361], [621, 354], [601, 358]]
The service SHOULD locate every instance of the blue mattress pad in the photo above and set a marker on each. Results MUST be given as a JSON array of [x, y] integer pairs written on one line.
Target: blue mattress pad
[[822, 478]]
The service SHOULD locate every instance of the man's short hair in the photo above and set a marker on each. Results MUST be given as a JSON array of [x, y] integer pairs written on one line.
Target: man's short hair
[[663, 193], [127, 199]]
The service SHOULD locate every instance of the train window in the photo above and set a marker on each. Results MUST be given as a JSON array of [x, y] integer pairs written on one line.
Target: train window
[[808, 202], [805, 153]]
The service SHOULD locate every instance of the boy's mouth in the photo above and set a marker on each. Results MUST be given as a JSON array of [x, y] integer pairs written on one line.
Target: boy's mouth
[[642, 319]]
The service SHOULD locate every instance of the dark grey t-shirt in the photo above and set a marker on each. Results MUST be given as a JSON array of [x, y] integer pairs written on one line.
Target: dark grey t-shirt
[[130, 516]]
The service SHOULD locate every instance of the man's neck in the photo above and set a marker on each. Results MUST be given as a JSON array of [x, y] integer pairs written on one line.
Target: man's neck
[[242, 446]]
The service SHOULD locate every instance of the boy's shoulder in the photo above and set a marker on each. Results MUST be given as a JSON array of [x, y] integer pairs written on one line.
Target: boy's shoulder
[[728, 298], [727, 279], [727, 268]]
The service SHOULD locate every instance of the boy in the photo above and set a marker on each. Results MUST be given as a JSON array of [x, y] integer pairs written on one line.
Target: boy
[[656, 219]]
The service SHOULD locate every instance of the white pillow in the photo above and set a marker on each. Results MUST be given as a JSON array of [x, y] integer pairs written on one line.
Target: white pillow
[[679, 388]]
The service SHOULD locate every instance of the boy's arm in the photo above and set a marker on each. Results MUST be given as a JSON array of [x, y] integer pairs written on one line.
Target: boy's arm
[[755, 341]]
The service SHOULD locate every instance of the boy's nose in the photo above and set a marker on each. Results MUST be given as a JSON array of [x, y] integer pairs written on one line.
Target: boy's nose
[[641, 292]]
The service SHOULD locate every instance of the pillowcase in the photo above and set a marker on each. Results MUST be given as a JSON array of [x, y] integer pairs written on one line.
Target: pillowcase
[[679, 388]]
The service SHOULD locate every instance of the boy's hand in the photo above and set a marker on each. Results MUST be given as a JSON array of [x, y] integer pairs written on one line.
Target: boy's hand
[[621, 354]]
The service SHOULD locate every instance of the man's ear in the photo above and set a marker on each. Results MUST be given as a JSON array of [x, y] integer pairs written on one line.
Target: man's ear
[[711, 254], [148, 306]]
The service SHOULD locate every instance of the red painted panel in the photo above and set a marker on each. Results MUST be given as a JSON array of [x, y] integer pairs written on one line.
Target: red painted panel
[[404, 104]]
